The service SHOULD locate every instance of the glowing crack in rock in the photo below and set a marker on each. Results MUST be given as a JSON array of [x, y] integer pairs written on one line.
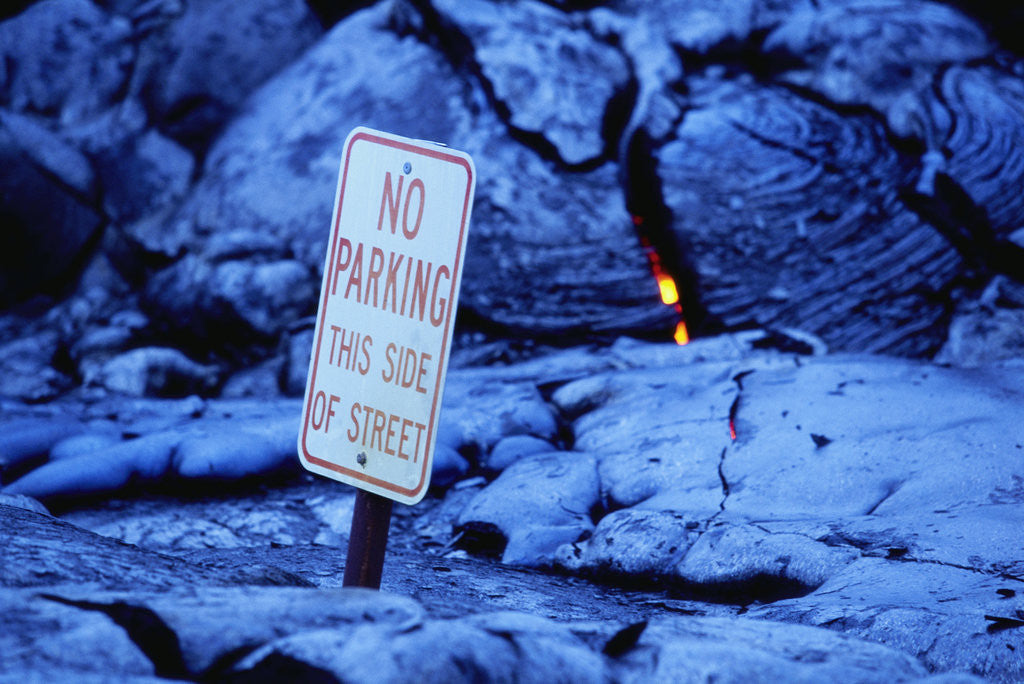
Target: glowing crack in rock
[[681, 335], [666, 285]]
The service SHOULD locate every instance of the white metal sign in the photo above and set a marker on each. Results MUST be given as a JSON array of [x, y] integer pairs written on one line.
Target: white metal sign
[[387, 309]]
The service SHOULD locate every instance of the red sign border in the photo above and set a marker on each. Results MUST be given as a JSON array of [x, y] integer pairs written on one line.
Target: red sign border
[[335, 234]]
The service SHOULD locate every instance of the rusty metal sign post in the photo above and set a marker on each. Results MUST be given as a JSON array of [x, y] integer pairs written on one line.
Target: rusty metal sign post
[[367, 540], [384, 327]]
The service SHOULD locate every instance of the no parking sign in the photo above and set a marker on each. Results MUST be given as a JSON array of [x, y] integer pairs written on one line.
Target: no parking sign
[[387, 309]]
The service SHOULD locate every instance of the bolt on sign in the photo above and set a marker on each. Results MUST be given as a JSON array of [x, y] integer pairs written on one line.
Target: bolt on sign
[[387, 308]]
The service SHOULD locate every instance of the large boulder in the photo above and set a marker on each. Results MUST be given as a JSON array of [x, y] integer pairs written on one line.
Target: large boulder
[[871, 51], [535, 506], [790, 216], [65, 59], [550, 250], [873, 437], [238, 301], [274, 169], [544, 70], [199, 63], [926, 79]]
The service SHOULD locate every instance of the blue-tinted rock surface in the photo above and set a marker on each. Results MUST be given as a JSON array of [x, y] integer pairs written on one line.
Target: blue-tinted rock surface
[[546, 73], [870, 496], [780, 175], [188, 153], [846, 169], [790, 212]]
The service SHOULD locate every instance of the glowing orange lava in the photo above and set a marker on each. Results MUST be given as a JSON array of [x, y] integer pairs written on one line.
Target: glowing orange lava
[[681, 335], [732, 430], [667, 286]]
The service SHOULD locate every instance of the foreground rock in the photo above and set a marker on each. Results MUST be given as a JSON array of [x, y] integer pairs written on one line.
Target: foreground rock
[[950, 618], [851, 498], [41, 551], [215, 624], [735, 491], [837, 469]]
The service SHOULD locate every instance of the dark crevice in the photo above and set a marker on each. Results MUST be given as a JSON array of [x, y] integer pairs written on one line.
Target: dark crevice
[[733, 411], [62, 285], [632, 146], [573, 5], [781, 341], [277, 667], [760, 588], [155, 639], [618, 114], [966, 225], [725, 483], [999, 623], [741, 56], [653, 220], [734, 407], [757, 588], [481, 539], [624, 640], [565, 437], [329, 13]]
